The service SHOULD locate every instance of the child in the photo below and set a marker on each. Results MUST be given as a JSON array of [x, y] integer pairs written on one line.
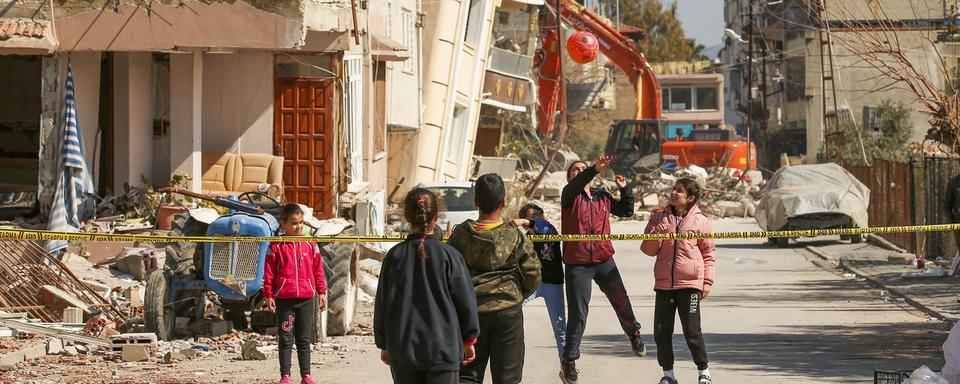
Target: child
[[684, 276], [294, 288], [505, 271], [425, 318], [551, 270], [586, 211]]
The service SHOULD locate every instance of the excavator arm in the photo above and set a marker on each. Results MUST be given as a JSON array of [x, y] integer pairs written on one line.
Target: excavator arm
[[620, 49]]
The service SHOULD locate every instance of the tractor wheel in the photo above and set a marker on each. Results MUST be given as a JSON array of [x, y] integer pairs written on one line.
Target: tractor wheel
[[320, 316], [185, 259], [158, 314], [342, 286]]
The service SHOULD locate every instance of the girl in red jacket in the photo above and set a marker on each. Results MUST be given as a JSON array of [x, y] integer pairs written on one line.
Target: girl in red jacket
[[684, 276], [294, 287]]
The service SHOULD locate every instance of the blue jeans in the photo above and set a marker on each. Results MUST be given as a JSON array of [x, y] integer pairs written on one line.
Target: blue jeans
[[552, 294]]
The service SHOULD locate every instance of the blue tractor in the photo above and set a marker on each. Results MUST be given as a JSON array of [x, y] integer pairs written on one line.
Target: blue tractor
[[233, 271]]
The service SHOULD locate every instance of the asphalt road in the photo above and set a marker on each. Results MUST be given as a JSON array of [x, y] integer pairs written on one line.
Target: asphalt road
[[774, 317]]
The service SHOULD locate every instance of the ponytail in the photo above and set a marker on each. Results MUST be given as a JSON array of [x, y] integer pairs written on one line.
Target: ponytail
[[420, 208]]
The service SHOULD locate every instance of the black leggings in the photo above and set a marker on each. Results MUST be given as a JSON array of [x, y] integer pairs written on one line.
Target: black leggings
[[580, 279], [687, 302], [295, 319]]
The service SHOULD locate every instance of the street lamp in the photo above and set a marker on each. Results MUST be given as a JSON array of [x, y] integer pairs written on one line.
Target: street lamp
[[733, 35]]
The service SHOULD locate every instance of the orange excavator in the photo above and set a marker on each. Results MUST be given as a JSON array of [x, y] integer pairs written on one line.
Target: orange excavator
[[637, 140], [618, 48], [636, 144]]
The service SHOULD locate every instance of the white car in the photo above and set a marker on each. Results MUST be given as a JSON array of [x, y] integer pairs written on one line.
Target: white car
[[455, 199]]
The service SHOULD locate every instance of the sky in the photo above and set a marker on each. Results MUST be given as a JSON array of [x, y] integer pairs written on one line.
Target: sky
[[701, 19]]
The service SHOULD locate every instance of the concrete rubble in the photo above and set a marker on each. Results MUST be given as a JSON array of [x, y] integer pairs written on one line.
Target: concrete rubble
[[725, 192]]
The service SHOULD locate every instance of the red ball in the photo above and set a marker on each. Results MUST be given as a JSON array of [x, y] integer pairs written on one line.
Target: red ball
[[583, 47]]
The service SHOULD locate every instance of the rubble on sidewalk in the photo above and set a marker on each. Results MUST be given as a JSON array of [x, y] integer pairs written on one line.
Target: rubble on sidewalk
[[248, 351]]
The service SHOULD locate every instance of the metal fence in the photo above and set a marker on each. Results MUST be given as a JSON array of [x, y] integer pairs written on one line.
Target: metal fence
[[911, 193], [891, 187], [937, 172], [27, 270]]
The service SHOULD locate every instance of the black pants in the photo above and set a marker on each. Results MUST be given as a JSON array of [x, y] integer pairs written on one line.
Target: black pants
[[295, 319], [579, 288], [425, 377], [501, 342], [687, 302]]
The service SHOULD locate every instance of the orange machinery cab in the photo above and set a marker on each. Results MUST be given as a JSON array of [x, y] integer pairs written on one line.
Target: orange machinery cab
[[709, 148]]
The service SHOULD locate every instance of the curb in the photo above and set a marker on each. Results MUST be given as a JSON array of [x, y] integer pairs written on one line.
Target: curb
[[879, 241], [920, 304], [819, 253]]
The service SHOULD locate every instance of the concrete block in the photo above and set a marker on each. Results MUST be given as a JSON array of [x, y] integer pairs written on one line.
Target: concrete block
[[133, 353], [133, 266], [71, 351], [134, 296], [212, 328], [73, 315], [8, 332], [122, 340], [54, 346]]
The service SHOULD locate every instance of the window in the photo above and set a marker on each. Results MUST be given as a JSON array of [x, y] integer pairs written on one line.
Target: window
[[795, 78], [409, 29], [474, 18], [455, 199], [680, 99], [706, 98], [457, 134], [689, 98], [354, 71]]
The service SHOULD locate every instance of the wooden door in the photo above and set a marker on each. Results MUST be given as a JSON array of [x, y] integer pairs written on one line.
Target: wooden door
[[303, 135]]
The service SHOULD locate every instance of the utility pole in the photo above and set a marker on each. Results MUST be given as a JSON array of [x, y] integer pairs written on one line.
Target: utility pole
[[618, 14], [763, 98], [749, 29]]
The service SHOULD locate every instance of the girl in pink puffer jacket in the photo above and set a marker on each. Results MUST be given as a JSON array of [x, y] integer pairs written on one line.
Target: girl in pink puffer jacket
[[684, 276]]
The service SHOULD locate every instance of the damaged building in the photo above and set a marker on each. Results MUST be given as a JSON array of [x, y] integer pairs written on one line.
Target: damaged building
[[234, 94]]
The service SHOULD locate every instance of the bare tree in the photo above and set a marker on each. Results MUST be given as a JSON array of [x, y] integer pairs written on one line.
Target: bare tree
[[918, 67]]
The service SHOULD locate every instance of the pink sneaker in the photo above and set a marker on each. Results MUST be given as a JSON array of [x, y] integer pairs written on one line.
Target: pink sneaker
[[285, 379], [306, 379]]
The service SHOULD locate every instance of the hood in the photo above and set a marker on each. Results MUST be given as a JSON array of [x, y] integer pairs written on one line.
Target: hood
[[488, 250]]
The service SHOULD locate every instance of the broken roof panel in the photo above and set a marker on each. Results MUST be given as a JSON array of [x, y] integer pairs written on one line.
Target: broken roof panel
[[26, 37]]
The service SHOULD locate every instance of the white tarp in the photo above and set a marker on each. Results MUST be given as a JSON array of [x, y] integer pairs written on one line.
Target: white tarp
[[810, 189]]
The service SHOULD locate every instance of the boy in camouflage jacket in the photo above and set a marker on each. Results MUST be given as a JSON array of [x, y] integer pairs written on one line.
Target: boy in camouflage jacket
[[505, 270]]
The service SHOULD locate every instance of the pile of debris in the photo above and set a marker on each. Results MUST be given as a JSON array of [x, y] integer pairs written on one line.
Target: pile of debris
[[726, 192]]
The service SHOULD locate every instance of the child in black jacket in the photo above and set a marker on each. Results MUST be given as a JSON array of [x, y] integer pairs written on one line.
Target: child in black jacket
[[425, 319]]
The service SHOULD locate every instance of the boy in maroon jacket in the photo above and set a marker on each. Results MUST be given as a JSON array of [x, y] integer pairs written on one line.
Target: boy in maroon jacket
[[292, 278]]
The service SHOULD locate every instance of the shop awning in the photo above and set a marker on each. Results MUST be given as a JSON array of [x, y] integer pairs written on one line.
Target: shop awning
[[508, 92]]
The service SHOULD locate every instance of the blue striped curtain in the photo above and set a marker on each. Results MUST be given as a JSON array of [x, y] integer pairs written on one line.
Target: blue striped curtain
[[74, 183]]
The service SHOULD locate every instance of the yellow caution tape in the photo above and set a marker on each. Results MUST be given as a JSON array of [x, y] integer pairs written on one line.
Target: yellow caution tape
[[43, 235]]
